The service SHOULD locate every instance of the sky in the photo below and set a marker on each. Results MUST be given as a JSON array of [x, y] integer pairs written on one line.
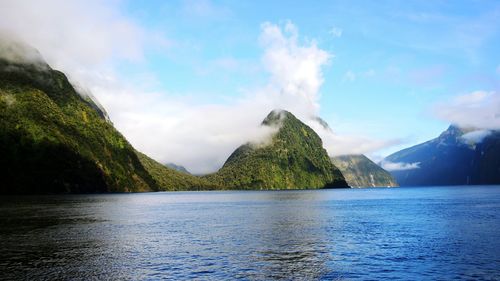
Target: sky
[[189, 81]]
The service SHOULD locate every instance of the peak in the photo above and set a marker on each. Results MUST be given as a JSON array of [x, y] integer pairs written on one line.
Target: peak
[[454, 128], [276, 116], [457, 131], [14, 51], [451, 134]]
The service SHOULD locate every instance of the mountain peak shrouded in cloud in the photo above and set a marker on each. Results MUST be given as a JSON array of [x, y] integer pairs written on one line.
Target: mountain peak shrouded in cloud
[[276, 117], [201, 136], [25, 61], [458, 156], [293, 158], [14, 50], [478, 109], [476, 136]]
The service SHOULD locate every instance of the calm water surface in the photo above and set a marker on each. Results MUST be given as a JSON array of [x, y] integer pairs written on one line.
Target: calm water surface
[[439, 233]]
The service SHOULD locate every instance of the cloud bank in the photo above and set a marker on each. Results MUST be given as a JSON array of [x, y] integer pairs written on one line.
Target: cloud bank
[[74, 35], [479, 109], [399, 166], [475, 136]]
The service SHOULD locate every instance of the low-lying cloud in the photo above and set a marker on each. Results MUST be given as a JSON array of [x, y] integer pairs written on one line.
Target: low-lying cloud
[[399, 166], [73, 35], [14, 51], [476, 136]]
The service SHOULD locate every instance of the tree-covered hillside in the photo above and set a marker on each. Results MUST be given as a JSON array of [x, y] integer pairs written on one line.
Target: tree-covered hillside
[[294, 158]]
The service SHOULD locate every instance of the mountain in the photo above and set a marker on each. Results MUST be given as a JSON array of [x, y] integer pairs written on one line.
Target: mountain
[[55, 140], [459, 156], [169, 179], [293, 158], [359, 171], [178, 168]]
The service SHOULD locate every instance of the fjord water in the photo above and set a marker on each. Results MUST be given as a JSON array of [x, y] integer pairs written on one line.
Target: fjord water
[[353, 234]]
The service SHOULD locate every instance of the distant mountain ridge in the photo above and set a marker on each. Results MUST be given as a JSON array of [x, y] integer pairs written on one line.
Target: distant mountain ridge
[[451, 159], [178, 168], [294, 158], [359, 171]]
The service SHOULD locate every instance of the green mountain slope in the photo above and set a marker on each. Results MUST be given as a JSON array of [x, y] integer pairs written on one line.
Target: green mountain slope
[[359, 171], [293, 159], [52, 140], [168, 179]]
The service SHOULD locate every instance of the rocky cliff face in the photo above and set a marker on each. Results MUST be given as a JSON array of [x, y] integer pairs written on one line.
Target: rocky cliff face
[[359, 171]]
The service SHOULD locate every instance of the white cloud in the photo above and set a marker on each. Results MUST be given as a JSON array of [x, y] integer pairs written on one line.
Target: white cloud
[[295, 69], [336, 32], [479, 109], [475, 136], [73, 34], [202, 136], [198, 136], [337, 144], [399, 166]]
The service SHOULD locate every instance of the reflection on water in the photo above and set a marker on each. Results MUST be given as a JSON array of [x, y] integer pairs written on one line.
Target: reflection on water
[[291, 243], [407, 233]]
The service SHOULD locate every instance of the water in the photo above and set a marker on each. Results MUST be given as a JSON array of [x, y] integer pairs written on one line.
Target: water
[[439, 233]]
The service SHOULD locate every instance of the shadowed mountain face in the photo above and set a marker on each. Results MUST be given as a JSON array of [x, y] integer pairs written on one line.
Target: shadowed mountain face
[[294, 158], [450, 159], [359, 171]]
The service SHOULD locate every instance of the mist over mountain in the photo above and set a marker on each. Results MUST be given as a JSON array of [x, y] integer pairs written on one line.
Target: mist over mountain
[[459, 156], [294, 158], [56, 140]]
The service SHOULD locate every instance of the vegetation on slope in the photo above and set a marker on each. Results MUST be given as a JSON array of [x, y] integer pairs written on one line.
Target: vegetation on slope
[[294, 158], [168, 179], [52, 140], [359, 171]]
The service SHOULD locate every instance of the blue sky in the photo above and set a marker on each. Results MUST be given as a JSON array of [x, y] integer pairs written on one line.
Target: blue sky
[[390, 73], [392, 59]]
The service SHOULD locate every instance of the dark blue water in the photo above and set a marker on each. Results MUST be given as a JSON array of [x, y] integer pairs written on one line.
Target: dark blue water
[[439, 233]]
